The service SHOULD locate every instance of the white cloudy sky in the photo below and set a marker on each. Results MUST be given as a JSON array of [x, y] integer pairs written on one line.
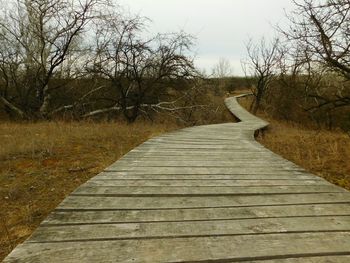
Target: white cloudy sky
[[222, 27]]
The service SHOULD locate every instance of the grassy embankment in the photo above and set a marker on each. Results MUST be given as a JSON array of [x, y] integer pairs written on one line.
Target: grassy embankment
[[320, 151]]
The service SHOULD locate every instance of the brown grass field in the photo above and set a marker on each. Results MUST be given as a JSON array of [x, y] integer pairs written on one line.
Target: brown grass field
[[320, 151], [41, 163], [324, 153]]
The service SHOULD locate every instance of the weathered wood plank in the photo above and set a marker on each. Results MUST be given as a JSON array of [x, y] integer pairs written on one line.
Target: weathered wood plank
[[208, 183], [86, 202], [143, 176], [190, 229], [202, 163], [203, 170], [217, 249], [88, 217], [200, 191]]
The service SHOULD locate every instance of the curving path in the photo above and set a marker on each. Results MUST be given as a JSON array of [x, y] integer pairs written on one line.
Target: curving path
[[201, 194]]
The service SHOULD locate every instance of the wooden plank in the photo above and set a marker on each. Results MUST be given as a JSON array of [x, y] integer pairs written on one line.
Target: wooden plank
[[104, 203], [202, 170], [150, 157], [143, 176], [201, 163], [217, 249], [200, 191], [88, 217], [196, 160], [207, 183], [190, 229]]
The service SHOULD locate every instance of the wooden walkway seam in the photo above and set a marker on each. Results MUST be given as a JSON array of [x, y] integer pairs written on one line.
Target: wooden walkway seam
[[201, 194]]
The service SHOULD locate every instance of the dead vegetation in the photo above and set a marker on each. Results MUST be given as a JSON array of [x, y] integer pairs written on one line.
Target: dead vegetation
[[318, 150], [322, 152], [41, 163]]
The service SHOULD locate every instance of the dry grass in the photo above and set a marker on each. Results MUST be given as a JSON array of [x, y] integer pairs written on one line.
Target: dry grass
[[41, 163], [322, 152]]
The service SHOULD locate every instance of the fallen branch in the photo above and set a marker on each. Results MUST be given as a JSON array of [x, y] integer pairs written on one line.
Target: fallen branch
[[102, 111], [63, 108], [13, 107], [155, 107], [77, 103]]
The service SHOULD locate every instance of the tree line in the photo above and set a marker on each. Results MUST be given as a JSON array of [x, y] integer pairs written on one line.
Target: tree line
[[47, 46], [306, 65], [89, 58]]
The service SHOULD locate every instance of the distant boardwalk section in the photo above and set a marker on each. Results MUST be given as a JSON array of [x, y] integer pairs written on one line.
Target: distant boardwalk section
[[201, 194]]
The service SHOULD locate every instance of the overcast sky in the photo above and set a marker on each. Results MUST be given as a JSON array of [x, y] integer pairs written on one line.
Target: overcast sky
[[221, 27]]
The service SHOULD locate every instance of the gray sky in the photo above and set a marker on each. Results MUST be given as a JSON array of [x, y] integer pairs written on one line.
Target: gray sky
[[222, 27]]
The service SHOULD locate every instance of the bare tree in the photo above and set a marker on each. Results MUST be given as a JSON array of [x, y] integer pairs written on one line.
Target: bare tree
[[139, 70], [262, 63], [36, 37], [222, 69], [321, 30]]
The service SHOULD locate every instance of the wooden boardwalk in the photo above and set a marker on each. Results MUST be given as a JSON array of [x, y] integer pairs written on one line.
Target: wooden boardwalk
[[201, 194]]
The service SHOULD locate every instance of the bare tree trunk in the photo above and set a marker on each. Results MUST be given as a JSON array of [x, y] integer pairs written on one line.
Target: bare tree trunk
[[12, 107], [44, 109], [262, 63], [258, 98]]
